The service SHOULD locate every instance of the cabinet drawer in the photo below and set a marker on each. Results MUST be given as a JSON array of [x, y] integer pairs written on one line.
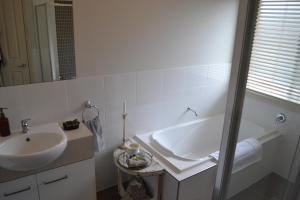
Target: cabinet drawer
[[72, 182], [20, 189]]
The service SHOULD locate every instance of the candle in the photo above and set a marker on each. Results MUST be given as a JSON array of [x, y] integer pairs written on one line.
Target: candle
[[124, 107]]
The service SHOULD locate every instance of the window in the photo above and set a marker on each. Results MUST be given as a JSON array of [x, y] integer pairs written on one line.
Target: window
[[275, 58]]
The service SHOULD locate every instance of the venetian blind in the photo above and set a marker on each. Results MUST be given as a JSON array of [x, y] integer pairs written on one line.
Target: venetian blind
[[275, 58]]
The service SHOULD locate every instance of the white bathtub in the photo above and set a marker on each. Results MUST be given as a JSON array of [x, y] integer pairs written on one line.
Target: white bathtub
[[188, 144], [197, 139]]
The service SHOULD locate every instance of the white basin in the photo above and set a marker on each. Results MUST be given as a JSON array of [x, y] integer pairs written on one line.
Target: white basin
[[32, 150]]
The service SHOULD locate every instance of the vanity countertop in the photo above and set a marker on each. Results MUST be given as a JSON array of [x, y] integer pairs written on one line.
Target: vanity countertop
[[79, 147]]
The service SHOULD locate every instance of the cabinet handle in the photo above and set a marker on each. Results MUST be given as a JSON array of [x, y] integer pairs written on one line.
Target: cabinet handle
[[22, 66], [56, 180], [16, 192]]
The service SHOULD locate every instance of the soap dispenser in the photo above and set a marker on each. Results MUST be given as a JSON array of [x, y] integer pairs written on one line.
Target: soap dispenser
[[4, 124]]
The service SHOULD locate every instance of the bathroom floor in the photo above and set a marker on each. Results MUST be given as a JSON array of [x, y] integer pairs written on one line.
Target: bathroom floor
[[271, 187], [109, 194]]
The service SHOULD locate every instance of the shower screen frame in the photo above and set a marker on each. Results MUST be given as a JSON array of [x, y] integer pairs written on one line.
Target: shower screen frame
[[236, 94]]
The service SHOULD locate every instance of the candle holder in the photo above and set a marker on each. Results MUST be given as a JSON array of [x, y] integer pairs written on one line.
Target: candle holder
[[123, 145]]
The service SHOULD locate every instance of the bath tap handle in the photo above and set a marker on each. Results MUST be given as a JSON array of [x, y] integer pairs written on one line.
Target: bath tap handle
[[189, 109], [281, 118]]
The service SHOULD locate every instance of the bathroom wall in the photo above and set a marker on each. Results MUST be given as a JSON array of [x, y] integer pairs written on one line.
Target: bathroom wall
[[155, 98], [161, 56], [262, 110], [115, 36]]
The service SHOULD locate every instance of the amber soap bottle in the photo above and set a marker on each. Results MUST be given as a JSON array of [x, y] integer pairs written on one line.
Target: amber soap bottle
[[4, 124]]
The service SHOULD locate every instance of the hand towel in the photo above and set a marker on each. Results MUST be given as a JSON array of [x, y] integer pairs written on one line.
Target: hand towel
[[95, 127]]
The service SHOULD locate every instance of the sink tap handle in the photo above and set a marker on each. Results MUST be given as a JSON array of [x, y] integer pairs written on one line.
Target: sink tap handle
[[25, 125], [25, 121]]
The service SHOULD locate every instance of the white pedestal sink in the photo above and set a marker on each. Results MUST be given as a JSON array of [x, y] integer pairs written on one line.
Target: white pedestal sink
[[32, 150]]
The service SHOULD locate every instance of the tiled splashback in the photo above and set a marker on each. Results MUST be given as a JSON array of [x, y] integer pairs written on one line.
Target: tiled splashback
[[155, 99]]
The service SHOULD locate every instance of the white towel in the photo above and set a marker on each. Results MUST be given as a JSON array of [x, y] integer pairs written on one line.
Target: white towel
[[95, 127], [247, 152]]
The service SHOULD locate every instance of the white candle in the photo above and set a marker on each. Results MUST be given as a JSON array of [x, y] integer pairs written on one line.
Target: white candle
[[124, 107]]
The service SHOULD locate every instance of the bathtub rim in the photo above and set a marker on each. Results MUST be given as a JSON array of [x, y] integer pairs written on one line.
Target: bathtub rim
[[181, 172], [154, 136], [194, 170]]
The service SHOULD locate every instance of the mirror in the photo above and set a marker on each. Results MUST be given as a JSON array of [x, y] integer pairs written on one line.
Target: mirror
[[36, 41]]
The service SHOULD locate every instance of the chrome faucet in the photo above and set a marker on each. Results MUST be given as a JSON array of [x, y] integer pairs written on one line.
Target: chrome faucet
[[25, 125], [189, 109]]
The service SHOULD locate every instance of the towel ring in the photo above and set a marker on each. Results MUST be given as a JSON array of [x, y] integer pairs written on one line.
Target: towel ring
[[90, 106]]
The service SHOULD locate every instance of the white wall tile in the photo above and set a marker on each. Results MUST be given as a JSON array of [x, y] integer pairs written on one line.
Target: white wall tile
[[112, 134], [173, 108], [45, 102], [214, 99], [82, 89], [173, 100], [219, 72], [113, 127], [119, 87], [174, 81], [149, 86], [206, 100], [148, 117], [12, 98], [194, 100], [196, 76]]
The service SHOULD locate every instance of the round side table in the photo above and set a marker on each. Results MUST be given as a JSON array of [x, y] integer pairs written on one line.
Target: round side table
[[155, 169]]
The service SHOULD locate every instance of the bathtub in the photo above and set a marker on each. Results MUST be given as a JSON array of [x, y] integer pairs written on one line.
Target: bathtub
[[188, 144]]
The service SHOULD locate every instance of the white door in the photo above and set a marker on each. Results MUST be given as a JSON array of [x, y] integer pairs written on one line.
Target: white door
[[20, 189], [46, 28], [13, 43], [72, 182]]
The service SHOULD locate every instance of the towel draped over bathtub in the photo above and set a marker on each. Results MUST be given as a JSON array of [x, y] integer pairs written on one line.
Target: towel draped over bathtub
[[248, 152]]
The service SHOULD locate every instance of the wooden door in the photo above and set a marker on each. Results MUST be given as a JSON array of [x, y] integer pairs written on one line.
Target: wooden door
[[13, 43]]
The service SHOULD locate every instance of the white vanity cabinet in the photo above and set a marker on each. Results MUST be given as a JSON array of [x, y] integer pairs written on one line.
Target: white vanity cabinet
[[70, 182], [20, 189]]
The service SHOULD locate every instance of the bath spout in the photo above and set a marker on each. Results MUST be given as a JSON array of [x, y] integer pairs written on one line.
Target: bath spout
[[192, 110]]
